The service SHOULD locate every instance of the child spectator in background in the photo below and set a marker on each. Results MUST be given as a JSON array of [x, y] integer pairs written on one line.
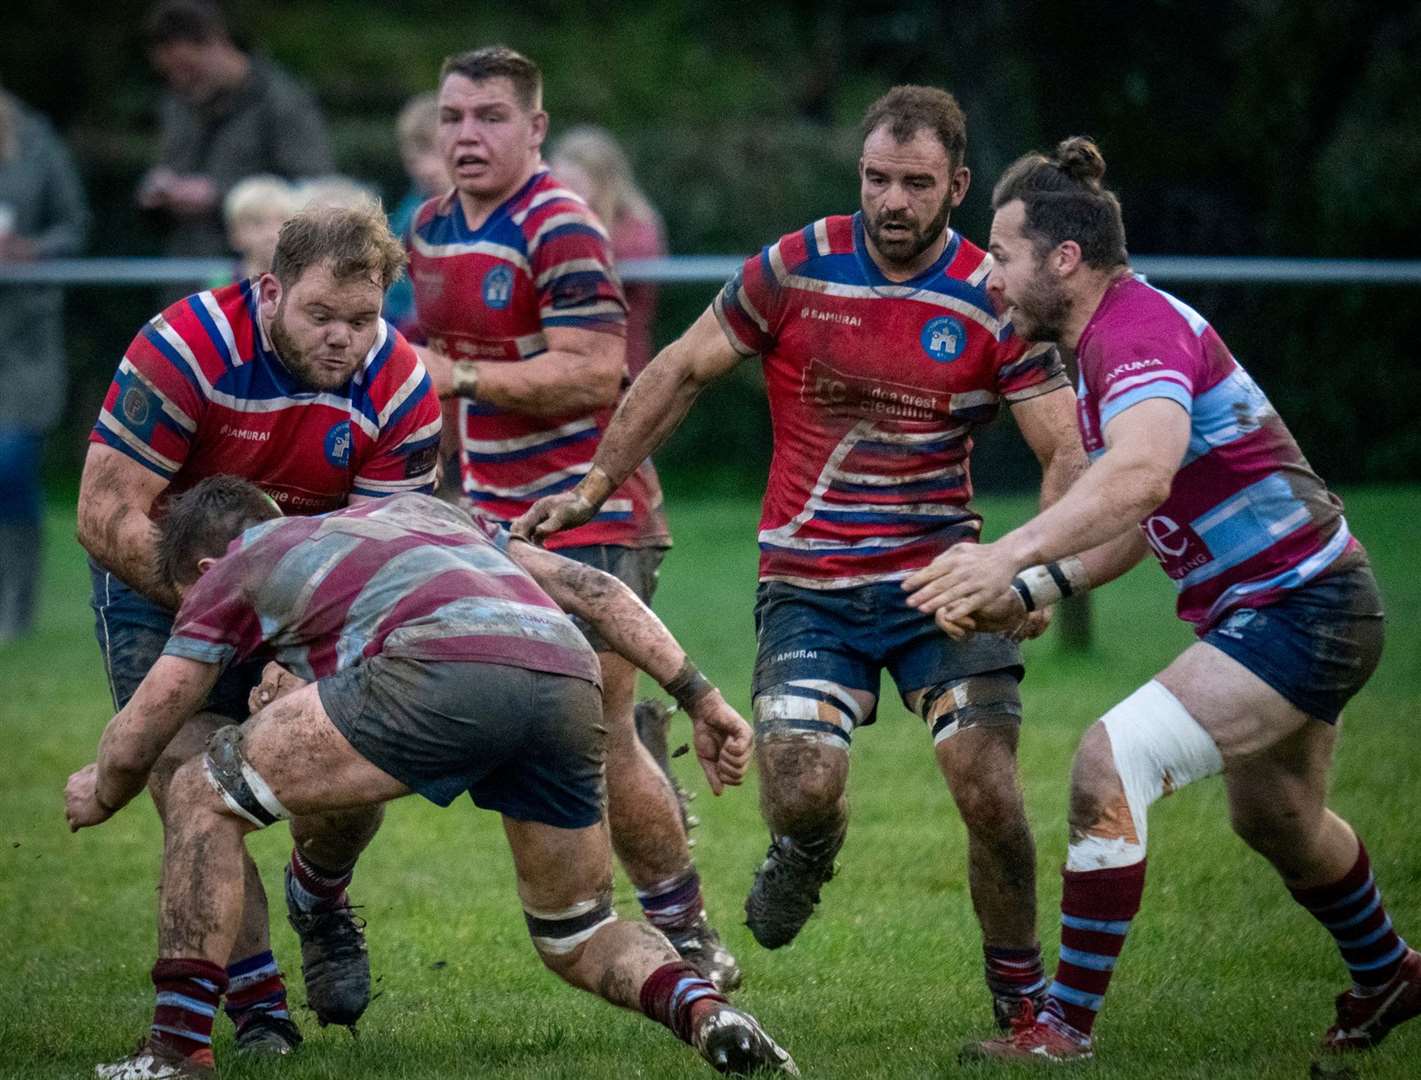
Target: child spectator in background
[[416, 128], [253, 212], [589, 161]]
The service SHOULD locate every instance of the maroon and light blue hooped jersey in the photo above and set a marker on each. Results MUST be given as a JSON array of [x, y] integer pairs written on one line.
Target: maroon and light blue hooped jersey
[[1246, 519], [408, 576], [540, 261], [201, 391], [875, 388]]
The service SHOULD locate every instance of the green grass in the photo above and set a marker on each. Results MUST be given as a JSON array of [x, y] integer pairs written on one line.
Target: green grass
[[1222, 976]]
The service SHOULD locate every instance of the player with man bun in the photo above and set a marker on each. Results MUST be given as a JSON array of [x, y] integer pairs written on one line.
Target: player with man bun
[[1191, 461]]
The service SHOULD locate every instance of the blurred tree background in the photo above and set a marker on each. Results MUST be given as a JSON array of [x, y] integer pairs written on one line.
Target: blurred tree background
[[1247, 127]]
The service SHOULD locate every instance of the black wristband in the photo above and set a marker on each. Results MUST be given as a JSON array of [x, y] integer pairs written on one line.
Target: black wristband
[[1023, 592], [688, 685]]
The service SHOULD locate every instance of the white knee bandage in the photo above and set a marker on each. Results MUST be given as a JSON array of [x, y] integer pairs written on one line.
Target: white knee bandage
[[1158, 748]]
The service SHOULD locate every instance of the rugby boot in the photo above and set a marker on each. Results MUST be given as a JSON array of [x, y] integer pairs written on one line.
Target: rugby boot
[[734, 1043], [154, 1060], [265, 1035], [785, 890], [334, 963], [1007, 1007], [700, 946], [1047, 1040], [1364, 1021], [653, 725]]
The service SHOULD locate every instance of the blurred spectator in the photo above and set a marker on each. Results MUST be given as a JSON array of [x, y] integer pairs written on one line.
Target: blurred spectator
[[254, 211], [417, 130], [589, 161], [227, 115], [42, 214], [334, 190]]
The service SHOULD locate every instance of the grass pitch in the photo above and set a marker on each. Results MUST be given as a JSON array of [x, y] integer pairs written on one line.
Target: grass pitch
[[1222, 976]]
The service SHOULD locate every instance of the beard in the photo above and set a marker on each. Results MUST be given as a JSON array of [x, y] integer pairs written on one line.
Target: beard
[[299, 361], [902, 250], [1042, 308]]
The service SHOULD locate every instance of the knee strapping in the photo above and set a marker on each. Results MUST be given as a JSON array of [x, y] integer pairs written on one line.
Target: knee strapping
[[823, 710], [992, 700], [1157, 748], [240, 786], [557, 933]]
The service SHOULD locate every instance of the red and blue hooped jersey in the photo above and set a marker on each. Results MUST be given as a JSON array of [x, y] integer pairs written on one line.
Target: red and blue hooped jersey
[[1246, 519], [875, 388], [541, 260], [201, 391]]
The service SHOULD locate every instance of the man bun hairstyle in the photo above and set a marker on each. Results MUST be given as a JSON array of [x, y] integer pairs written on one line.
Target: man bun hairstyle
[[1066, 199], [202, 521], [194, 22], [355, 239], [499, 62], [907, 110]]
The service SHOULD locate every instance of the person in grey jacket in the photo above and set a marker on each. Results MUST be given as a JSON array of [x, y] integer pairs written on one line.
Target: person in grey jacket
[[228, 114], [42, 214]]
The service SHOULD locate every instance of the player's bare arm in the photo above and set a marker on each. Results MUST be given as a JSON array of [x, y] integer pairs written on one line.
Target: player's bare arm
[[656, 403], [582, 371], [1048, 424], [722, 737], [1144, 447], [170, 695], [115, 495]]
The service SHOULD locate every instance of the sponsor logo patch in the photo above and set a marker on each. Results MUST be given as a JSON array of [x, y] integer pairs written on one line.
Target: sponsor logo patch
[[498, 287], [421, 461], [338, 444], [944, 339], [135, 406]]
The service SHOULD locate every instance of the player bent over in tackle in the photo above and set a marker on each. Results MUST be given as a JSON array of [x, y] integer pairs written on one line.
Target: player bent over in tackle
[[1186, 447], [439, 666]]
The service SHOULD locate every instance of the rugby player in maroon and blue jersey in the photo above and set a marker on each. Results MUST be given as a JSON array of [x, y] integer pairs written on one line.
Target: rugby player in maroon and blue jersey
[[882, 353], [433, 657], [1190, 461], [526, 322], [294, 382]]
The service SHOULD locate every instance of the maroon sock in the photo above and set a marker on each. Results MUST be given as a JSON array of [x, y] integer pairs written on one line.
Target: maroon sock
[[188, 994], [671, 990], [1096, 909], [314, 888], [1353, 912], [255, 989]]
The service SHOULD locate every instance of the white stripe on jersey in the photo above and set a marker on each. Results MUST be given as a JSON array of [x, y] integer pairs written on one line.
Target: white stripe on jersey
[[403, 394], [1164, 374], [523, 442], [547, 196], [219, 319], [409, 483], [557, 221], [884, 480], [821, 236], [983, 269], [431, 429], [743, 299], [166, 465], [572, 266], [522, 491], [474, 247]]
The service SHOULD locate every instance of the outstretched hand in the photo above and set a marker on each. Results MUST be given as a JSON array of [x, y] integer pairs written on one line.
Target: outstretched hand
[[551, 514], [964, 579], [722, 740]]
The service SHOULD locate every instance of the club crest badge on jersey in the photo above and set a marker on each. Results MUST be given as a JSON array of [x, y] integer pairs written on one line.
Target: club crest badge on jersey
[[944, 339], [498, 287], [338, 444]]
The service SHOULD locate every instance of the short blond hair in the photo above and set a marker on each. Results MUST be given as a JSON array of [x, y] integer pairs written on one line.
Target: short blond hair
[[259, 196]]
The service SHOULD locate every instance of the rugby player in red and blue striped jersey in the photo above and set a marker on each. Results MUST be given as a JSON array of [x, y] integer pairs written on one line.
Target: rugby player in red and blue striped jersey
[[517, 296], [431, 661], [293, 381], [1191, 461], [882, 353]]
